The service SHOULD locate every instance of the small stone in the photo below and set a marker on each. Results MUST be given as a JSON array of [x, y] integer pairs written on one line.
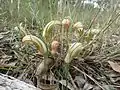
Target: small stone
[[7, 88], [2, 88]]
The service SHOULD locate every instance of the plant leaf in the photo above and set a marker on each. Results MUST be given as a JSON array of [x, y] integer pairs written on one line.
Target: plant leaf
[[41, 46], [48, 29], [73, 51]]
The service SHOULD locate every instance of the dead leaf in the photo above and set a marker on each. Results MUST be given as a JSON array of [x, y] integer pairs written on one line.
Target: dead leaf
[[80, 81], [12, 63], [109, 87], [66, 84], [115, 66], [87, 86], [1, 36]]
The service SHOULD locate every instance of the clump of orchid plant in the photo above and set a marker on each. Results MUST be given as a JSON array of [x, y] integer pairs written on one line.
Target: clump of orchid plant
[[50, 44]]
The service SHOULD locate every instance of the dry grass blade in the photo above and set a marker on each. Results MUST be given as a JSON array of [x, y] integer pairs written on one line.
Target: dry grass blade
[[94, 19], [89, 77], [110, 22], [96, 15], [75, 87]]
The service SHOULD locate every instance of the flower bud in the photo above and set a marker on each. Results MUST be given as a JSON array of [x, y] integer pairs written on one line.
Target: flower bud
[[54, 47], [66, 23]]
